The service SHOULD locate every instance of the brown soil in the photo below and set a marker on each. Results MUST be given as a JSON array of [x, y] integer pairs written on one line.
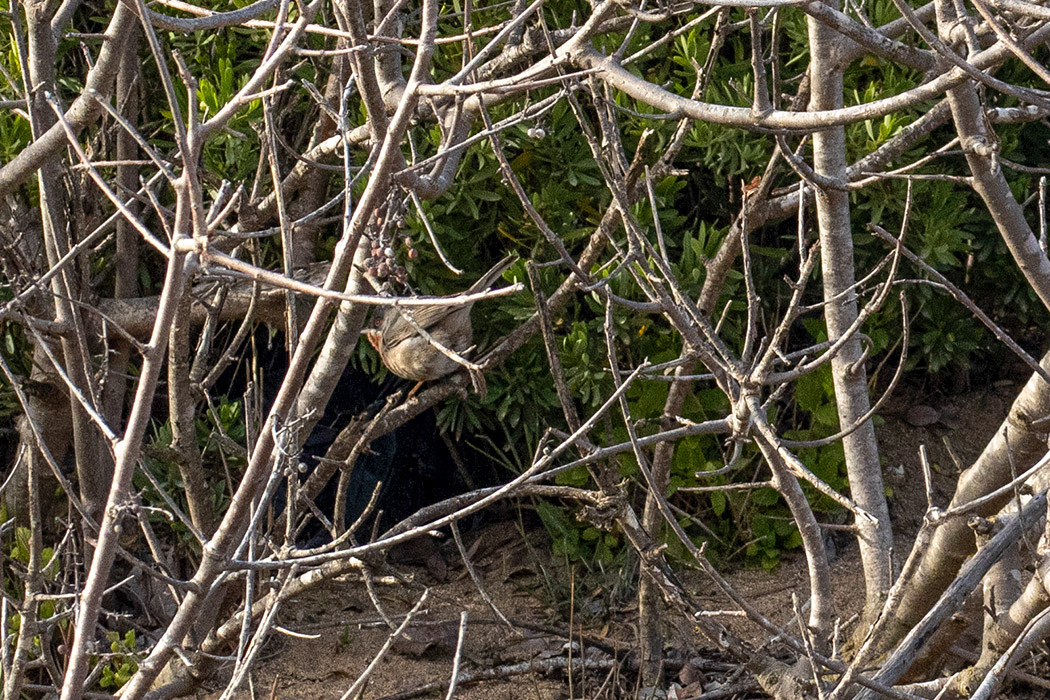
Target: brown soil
[[338, 631]]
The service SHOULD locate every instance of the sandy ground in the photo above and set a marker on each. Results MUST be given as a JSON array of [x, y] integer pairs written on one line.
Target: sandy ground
[[332, 634]]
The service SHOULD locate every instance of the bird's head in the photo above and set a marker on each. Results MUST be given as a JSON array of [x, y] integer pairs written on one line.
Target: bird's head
[[373, 331]]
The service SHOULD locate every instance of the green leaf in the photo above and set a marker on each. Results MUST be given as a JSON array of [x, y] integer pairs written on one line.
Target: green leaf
[[827, 414], [718, 502], [766, 497], [809, 392]]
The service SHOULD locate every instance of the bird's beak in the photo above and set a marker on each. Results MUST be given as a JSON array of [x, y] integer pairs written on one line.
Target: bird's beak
[[374, 337]]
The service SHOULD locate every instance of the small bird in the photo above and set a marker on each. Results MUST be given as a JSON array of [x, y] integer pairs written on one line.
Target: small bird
[[408, 354]]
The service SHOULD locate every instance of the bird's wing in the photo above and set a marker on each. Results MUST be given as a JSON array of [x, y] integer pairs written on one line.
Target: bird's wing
[[396, 329]]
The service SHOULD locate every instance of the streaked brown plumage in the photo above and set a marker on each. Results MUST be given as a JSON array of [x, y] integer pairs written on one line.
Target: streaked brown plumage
[[408, 354]]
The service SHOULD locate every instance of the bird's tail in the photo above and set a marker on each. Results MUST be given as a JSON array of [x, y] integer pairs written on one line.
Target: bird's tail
[[490, 277]]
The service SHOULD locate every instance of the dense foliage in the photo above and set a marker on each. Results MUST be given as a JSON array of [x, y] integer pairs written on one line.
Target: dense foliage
[[554, 139]]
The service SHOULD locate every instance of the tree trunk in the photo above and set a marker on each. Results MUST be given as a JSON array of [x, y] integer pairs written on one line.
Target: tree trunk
[[851, 389]]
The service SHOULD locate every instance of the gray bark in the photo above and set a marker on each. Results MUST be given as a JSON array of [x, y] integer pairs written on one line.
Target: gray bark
[[851, 391]]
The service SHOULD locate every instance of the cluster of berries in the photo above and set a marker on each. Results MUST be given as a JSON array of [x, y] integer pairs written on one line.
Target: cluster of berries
[[382, 263]]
